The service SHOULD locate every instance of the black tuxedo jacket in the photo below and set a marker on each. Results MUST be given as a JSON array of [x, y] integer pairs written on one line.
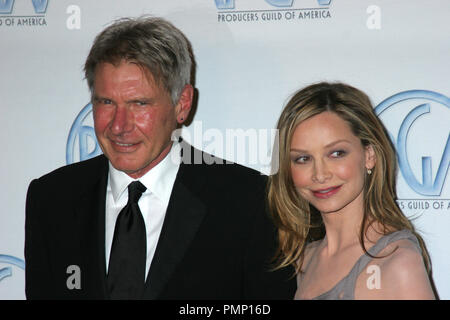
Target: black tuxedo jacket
[[217, 240]]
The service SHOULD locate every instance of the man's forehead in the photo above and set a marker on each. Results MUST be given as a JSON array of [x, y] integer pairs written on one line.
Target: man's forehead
[[151, 76]]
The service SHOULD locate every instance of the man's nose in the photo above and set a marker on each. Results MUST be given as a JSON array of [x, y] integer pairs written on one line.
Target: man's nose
[[122, 121]]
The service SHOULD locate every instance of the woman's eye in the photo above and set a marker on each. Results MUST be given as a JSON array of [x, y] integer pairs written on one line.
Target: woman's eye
[[302, 159], [338, 153]]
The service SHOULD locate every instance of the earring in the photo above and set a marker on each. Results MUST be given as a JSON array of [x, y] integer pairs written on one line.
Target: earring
[[369, 171]]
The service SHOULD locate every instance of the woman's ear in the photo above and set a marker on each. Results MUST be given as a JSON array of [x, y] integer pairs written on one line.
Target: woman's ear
[[371, 158]]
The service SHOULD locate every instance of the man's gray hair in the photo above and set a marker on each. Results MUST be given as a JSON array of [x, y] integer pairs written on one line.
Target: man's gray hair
[[150, 42]]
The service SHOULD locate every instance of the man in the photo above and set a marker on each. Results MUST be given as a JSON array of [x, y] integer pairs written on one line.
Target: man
[[188, 229]]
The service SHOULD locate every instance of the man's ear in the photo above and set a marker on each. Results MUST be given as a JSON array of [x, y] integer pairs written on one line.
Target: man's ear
[[184, 104]]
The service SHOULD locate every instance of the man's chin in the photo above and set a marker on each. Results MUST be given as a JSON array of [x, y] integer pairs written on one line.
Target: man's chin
[[132, 164], [134, 169], [127, 166]]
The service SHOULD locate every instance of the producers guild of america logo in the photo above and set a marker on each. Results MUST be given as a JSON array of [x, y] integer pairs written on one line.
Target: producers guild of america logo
[[9, 261], [23, 13], [418, 124], [82, 143], [240, 11]]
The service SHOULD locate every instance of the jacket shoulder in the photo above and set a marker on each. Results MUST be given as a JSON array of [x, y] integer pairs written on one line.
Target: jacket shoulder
[[210, 166], [76, 173]]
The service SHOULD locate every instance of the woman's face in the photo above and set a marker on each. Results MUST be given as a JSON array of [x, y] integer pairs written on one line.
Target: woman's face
[[329, 163]]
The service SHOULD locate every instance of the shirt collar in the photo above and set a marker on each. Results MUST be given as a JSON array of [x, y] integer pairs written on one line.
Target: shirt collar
[[159, 180]]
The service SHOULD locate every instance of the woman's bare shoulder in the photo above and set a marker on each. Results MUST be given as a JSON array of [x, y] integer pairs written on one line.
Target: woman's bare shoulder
[[401, 274]]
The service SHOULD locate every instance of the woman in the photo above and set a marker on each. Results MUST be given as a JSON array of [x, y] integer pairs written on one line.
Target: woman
[[337, 177]]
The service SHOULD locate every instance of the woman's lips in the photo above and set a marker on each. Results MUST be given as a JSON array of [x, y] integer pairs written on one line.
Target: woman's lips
[[326, 193]]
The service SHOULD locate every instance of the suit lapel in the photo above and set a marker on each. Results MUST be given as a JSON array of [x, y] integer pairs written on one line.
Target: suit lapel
[[183, 218], [91, 221]]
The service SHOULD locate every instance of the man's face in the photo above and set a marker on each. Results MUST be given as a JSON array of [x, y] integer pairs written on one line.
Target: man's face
[[134, 117]]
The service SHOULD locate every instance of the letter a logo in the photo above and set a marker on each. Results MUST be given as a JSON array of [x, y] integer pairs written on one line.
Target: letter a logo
[[74, 280]]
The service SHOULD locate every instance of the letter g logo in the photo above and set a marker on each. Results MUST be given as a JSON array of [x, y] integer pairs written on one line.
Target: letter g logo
[[428, 186], [7, 272]]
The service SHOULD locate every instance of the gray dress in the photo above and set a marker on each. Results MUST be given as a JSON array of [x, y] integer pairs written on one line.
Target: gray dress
[[345, 289]]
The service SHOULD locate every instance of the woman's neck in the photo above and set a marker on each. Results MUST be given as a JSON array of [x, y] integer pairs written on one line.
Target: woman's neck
[[343, 227]]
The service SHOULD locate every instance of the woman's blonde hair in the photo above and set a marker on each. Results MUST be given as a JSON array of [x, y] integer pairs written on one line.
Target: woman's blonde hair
[[297, 221]]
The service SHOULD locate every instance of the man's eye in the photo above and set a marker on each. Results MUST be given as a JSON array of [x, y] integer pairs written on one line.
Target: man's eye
[[141, 103]]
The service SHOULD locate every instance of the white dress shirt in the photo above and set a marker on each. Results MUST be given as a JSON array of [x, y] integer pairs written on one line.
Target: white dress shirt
[[153, 202]]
